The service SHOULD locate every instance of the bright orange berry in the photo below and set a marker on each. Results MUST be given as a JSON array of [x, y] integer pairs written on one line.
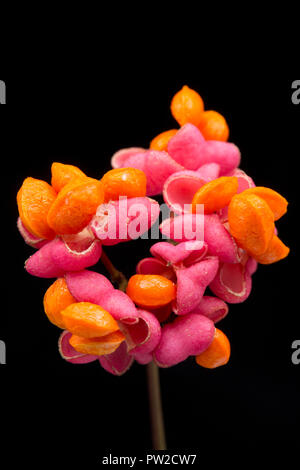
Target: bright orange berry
[[160, 142], [217, 354], [35, 198], [213, 126], [187, 106], [129, 182], [151, 290]]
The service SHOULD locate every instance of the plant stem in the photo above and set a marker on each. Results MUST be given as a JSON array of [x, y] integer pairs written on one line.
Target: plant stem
[[116, 276], [156, 412]]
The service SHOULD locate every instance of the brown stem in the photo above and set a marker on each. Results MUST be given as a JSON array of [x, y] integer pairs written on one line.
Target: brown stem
[[156, 412], [116, 276]]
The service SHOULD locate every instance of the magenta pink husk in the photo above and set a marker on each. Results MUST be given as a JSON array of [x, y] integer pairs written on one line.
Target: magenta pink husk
[[68, 353], [155, 266], [118, 362], [219, 241], [192, 271], [209, 171], [180, 188], [251, 266], [71, 260], [192, 282], [41, 264], [141, 328], [118, 160], [146, 335], [156, 165], [120, 306], [185, 147], [212, 307], [143, 359], [56, 257], [232, 283], [189, 335], [189, 148], [185, 253], [124, 220], [88, 286]]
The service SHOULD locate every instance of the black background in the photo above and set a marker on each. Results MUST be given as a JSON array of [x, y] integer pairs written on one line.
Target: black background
[[80, 412]]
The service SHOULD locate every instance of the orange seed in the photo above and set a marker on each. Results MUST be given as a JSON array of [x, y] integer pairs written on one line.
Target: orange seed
[[217, 354], [151, 290], [187, 106]]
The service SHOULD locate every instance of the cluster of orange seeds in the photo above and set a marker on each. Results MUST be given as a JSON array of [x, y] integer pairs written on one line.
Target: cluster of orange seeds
[[187, 106]]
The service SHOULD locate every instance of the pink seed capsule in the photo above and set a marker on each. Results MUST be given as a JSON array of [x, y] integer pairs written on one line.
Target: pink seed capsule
[[212, 307], [120, 306], [192, 282], [143, 358], [59, 256], [88, 286], [68, 353], [118, 362], [186, 336], [155, 266], [209, 171], [180, 188], [219, 241], [118, 160], [156, 165], [74, 253], [183, 254], [232, 283], [189, 148], [124, 220], [144, 336], [41, 264]]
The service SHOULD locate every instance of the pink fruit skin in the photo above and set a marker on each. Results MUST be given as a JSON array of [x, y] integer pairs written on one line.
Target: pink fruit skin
[[69, 353], [180, 188], [192, 282], [120, 306], [118, 362], [155, 266], [232, 283], [185, 147], [115, 222], [140, 328], [186, 336], [220, 242], [41, 264], [185, 264], [118, 160], [189, 148], [226, 154], [145, 335], [185, 253], [69, 261], [251, 266], [88, 286], [209, 171], [156, 165], [54, 259], [143, 358], [212, 307], [29, 238]]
